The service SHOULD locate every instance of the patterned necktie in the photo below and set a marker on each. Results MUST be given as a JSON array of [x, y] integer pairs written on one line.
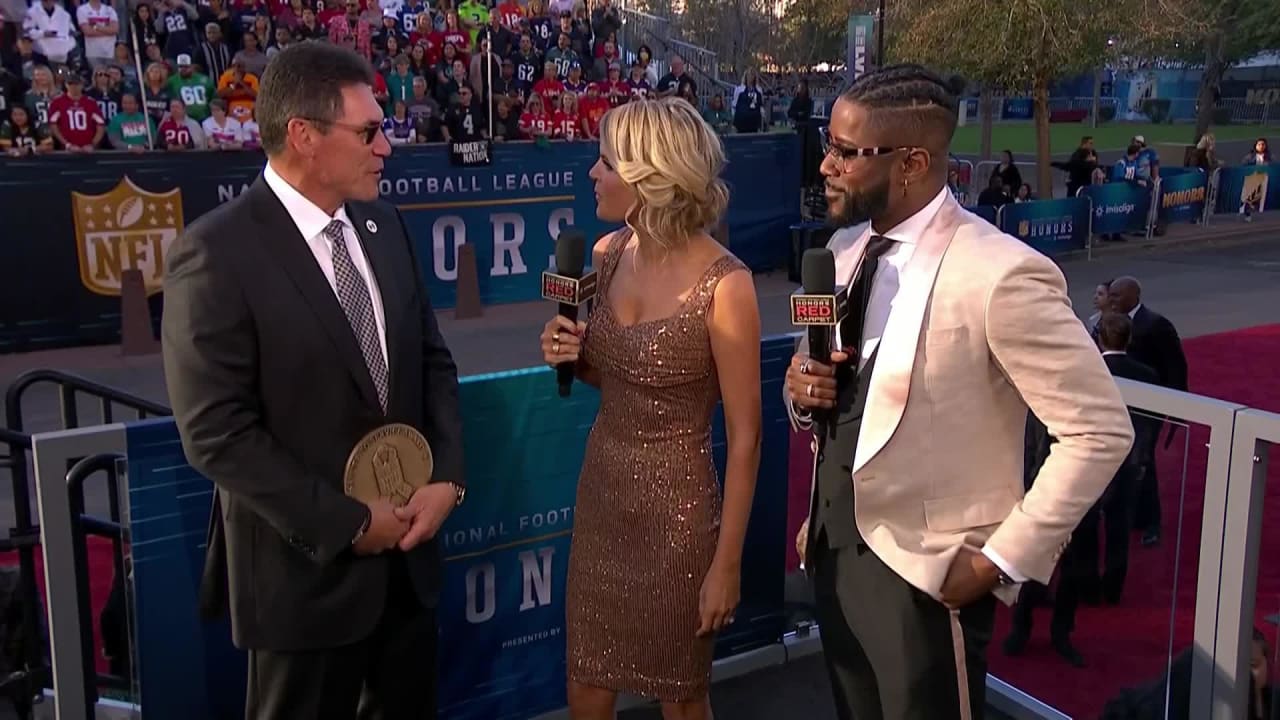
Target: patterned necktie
[[353, 295]]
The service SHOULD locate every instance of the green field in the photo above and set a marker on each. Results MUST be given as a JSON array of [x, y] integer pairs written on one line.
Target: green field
[[1020, 137]]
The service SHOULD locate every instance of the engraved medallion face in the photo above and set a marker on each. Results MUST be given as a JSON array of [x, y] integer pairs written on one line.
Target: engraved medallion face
[[391, 462]]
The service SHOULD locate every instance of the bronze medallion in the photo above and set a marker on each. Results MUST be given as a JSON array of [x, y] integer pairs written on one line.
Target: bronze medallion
[[391, 462]]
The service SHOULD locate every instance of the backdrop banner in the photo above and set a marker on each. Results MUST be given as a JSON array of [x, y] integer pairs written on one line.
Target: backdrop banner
[[1182, 196], [73, 224], [1257, 185], [1050, 226], [506, 551], [1118, 207]]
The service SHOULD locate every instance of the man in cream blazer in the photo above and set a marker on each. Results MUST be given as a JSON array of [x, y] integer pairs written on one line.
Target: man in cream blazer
[[918, 519]]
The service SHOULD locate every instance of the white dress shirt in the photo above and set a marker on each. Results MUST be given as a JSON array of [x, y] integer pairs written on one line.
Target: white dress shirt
[[884, 293], [311, 222]]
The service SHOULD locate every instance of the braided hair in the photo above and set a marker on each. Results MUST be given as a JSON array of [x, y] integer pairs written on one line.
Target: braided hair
[[911, 98]]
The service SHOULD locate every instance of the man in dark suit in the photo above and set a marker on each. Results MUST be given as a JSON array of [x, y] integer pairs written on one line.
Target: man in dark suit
[[1120, 499], [1154, 343], [295, 322]]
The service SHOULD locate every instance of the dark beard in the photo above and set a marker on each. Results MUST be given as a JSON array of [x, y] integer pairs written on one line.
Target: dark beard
[[859, 207]]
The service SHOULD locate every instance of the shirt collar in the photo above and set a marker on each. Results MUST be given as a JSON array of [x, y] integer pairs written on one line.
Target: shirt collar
[[1113, 352], [911, 229], [1135, 310], [308, 216]]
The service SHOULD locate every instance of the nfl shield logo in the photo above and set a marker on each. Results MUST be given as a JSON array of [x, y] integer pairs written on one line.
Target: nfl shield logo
[[1024, 228], [125, 228]]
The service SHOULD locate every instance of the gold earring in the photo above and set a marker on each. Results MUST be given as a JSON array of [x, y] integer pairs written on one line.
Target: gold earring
[[904, 188]]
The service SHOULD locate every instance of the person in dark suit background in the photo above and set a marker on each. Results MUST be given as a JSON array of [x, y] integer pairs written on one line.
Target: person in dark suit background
[[295, 322], [1154, 343]]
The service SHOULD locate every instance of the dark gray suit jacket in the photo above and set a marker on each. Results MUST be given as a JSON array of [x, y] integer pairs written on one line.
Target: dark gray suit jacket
[[270, 393]]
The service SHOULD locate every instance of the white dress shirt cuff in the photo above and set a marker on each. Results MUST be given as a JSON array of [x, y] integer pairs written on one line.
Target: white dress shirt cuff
[[1004, 566]]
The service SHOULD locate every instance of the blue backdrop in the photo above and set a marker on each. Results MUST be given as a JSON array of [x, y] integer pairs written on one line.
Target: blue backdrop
[[1118, 207], [59, 284], [1050, 226], [506, 551], [1182, 195]]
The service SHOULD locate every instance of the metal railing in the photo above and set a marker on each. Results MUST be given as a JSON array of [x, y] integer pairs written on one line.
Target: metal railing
[[24, 536]]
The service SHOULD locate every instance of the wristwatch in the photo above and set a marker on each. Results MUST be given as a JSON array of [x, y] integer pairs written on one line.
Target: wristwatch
[[461, 491], [364, 526]]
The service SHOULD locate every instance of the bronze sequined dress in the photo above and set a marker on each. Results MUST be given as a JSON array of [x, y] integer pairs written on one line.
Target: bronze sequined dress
[[648, 505]]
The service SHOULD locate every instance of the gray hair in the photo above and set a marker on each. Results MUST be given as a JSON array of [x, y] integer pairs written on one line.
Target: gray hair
[[305, 80]]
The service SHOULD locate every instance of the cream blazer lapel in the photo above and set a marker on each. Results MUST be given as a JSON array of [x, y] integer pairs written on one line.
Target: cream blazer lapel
[[896, 355]]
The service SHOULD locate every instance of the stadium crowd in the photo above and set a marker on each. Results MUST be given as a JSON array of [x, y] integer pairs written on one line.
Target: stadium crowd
[[175, 76]]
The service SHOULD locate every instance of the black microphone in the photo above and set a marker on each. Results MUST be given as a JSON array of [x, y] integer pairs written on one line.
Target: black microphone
[[569, 287], [818, 307]]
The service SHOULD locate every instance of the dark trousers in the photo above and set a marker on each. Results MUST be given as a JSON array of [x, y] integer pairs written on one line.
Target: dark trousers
[[1147, 513], [1118, 506], [390, 675], [1077, 577], [889, 648]]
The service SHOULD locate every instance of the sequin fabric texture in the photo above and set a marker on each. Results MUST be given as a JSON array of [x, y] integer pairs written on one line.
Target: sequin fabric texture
[[648, 505]]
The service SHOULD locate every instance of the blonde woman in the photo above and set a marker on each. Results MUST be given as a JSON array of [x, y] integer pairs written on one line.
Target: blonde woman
[[655, 565]]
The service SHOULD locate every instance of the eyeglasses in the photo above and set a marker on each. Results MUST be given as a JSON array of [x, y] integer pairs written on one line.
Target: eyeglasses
[[366, 132], [845, 154]]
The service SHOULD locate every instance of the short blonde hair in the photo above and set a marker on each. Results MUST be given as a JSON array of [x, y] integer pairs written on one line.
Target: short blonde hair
[[665, 151]]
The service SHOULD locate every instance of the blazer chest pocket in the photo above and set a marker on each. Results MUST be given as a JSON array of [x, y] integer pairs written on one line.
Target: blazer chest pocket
[[946, 361], [963, 512]]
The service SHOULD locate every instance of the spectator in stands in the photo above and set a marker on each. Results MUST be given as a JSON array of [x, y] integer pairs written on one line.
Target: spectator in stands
[[510, 12], [264, 31], [1259, 155], [638, 85], [400, 127], [50, 26], [608, 56], [152, 54], [1024, 194], [252, 135], [24, 62], [549, 87], [215, 54], [563, 56], [1127, 168], [454, 33], [690, 95], [193, 88], [614, 88], [221, 131], [41, 95], [180, 132], [143, 25], [130, 129], [310, 29], [801, 108], [425, 111], [486, 66], [474, 16], [575, 84], [541, 26], [1080, 166], [20, 136], [217, 12], [506, 123], [284, 38], [566, 122], [409, 14], [718, 116], [1008, 173], [124, 66], [400, 82], [501, 39], [465, 120], [99, 25], [155, 91], [528, 65], [255, 60], [535, 122], [175, 28], [290, 14], [749, 106], [75, 119], [384, 56], [107, 97], [675, 82], [505, 84], [579, 31], [11, 91], [644, 58], [606, 21], [995, 195], [591, 108]]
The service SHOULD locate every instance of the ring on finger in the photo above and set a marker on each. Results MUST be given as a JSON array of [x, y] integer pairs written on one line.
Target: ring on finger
[[555, 336], [808, 390], [555, 347], [804, 367]]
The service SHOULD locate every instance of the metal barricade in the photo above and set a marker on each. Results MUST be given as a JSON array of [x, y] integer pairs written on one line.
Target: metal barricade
[[1211, 196], [1153, 211]]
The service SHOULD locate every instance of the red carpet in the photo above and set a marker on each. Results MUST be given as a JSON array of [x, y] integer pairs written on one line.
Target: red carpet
[[1129, 644]]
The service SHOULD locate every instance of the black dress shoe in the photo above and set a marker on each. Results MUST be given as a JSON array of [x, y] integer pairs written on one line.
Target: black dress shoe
[[1150, 539], [1068, 652], [1015, 643]]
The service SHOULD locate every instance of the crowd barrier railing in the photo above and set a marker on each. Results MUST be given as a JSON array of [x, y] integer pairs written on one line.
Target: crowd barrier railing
[[1053, 227]]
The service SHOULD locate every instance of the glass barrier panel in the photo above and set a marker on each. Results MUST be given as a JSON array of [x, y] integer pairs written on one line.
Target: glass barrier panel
[[1264, 658], [1121, 603]]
